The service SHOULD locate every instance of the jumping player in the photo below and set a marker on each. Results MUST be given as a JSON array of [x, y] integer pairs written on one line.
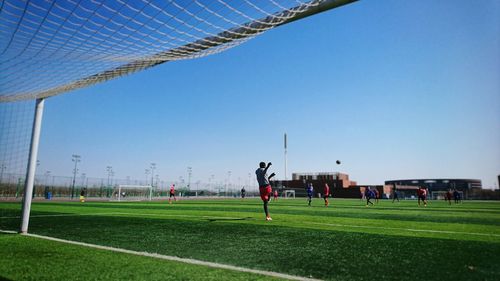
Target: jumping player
[[422, 196], [326, 193], [309, 190], [172, 194], [264, 186]]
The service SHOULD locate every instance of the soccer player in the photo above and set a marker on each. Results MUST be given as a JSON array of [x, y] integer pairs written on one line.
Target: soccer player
[[377, 195], [448, 196], [326, 193], [456, 195], [275, 194], [172, 194], [264, 186], [394, 194], [310, 190], [369, 195], [243, 191], [422, 195], [82, 195]]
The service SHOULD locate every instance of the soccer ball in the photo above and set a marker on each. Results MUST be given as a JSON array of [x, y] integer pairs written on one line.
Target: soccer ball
[[338, 162]]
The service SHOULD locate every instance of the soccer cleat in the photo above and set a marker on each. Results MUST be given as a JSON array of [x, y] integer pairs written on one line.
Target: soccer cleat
[[269, 219]]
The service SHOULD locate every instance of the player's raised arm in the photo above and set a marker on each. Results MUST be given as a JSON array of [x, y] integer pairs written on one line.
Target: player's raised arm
[[267, 167]]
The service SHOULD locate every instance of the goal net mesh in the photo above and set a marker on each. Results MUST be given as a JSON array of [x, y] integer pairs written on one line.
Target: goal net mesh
[[51, 47]]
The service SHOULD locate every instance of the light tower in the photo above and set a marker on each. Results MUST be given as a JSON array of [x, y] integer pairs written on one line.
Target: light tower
[[190, 172], [109, 169], [285, 144], [75, 158], [146, 171], [2, 168], [153, 167]]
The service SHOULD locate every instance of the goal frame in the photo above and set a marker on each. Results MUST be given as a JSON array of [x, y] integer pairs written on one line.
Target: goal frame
[[148, 187]]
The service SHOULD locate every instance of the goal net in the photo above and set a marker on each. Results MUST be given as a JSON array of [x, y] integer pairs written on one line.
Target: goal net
[[132, 193], [51, 47], [289, 193], [441, 195]]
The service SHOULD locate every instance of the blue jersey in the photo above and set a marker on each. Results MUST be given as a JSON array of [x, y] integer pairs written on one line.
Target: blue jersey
[[309, 191]]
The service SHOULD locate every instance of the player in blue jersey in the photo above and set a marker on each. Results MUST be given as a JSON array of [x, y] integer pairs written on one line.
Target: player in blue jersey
[[310, 190], [369, 194]]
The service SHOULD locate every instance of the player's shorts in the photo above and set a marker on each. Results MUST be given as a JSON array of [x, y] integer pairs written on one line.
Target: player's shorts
[[422, 197], [326, 196], [172, 194], [265, 192]]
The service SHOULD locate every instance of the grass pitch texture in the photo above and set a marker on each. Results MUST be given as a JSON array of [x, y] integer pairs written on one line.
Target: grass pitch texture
[[346, 241]]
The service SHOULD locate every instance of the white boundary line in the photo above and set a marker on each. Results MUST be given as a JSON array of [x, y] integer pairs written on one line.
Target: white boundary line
[[229, 218], [172, 258], [406, 229]]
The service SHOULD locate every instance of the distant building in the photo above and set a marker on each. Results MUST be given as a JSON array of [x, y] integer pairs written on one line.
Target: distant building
[[340, 184], [436, 187], [340, 178]]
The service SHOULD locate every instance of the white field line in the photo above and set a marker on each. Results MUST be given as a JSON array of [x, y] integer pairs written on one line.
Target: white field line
[[62, 215], [406, 229], [317, 223], [176, 259], [122, 214]]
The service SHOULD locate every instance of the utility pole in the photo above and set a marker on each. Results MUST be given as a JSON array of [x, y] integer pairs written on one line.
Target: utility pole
[[75, 158]]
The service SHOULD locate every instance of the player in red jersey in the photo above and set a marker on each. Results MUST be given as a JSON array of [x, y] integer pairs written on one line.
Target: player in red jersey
[[172, 194], [326, 193], [275, 194], [264, 186], [422, 195], [448, 196]]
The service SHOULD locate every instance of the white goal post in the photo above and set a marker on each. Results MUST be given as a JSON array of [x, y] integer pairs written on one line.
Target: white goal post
[[136, 192], [441, 195], [289, 193]]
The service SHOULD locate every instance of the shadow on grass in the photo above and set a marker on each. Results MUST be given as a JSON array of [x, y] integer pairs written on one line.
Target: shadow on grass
[[305, 252]]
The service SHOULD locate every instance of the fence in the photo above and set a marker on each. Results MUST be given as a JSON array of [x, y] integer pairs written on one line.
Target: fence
[[49, 186]]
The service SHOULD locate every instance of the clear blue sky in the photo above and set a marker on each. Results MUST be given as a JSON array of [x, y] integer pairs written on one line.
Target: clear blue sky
[[394, 89]]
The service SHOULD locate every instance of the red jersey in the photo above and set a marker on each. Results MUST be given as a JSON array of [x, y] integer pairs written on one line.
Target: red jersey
[[326, 189], [421, 192], [172, 190]]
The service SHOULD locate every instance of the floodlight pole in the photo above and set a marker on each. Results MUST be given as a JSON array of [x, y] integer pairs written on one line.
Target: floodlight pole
[[76, 159], [285, 144], [30, 174]]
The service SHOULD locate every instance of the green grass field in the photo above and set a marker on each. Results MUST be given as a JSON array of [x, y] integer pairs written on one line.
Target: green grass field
[[346, 241]]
